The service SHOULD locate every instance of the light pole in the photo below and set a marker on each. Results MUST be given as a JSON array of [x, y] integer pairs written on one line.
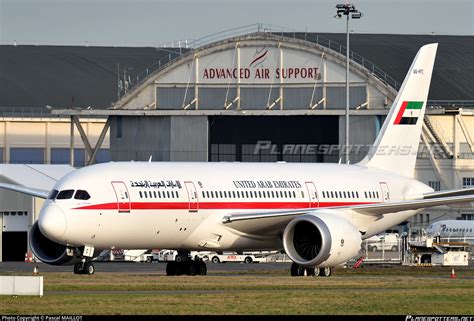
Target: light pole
[[347, 10]]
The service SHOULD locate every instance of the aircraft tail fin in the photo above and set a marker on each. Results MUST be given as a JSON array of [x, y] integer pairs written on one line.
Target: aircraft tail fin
[[396, 146]]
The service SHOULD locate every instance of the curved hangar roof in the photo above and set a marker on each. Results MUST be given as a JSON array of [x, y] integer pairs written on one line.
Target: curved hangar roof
[[36, 76], [257, 72]]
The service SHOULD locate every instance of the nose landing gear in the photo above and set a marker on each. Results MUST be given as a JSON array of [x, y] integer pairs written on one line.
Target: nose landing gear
[[84, 268]]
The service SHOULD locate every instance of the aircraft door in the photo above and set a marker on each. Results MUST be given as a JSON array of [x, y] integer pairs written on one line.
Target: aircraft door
[[385, 193], [192, 197], [123, 197], [312, 194]]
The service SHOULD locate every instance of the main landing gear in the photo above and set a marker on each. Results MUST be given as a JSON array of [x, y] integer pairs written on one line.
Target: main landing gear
[[84, 268], [298, 270], [185, 265]]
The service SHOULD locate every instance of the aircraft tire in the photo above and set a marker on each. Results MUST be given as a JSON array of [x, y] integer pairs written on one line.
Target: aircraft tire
[[89, 268], [171, 268], [327, 271], [317, 272], [78, 268], [297, 270], [202, 270], [192, 267]]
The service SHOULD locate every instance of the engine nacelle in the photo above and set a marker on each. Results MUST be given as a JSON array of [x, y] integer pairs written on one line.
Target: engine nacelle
[[48, 251], [324, 240]]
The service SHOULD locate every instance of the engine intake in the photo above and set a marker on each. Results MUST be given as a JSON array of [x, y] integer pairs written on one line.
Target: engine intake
[[48, 251], [323, 239]]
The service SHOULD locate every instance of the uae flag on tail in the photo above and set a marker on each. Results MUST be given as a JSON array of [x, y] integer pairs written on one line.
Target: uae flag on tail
[[408, 113]]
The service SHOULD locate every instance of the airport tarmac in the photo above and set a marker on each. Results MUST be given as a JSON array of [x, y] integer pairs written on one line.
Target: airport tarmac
[[131, 267]]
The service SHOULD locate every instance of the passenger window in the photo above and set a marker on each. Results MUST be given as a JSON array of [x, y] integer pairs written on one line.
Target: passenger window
[[140, 193], [168, 194], [66, 194], [52, 195], [154, 194], [294, 194], [81, 195]]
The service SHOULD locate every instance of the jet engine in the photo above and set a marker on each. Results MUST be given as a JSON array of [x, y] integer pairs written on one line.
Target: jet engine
[[324, 240], [51, 252]]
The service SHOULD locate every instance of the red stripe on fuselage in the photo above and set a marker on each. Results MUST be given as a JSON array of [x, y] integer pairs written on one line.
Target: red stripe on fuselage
[[217, 205]]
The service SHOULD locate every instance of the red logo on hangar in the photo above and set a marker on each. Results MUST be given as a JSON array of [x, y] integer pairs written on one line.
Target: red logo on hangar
[[259, 57]]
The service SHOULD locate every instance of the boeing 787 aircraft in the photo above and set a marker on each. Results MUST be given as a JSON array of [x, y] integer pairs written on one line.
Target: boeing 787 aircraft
[[317, 213]]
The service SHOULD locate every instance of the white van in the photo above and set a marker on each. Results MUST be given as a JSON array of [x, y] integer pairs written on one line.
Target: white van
[[386, 242]]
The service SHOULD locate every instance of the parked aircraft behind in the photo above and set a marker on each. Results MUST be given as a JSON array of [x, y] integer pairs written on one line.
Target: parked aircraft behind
[[453, 230], [318, 213]]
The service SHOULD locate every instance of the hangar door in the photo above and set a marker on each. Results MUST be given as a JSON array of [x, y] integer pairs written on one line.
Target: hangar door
[[14, 235], [273, 138]]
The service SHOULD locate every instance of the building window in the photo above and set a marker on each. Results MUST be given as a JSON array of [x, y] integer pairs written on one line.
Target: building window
[[27, 155], [467, 182], [119, 127], [103, 156], [467, 217], [223, 152], [436, 185], [62, 156]]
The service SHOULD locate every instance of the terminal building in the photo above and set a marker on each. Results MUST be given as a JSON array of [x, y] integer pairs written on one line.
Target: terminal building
[[252, 97]]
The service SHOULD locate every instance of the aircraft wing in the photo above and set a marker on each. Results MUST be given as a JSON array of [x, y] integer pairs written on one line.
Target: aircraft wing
[[25, 190], [453, 192], [273, 222]]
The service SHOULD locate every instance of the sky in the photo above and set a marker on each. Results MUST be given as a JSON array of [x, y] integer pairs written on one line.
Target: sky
[[158, 22]]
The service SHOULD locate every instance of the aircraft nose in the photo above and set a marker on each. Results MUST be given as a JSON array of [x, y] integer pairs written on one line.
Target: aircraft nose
[[52, 222]]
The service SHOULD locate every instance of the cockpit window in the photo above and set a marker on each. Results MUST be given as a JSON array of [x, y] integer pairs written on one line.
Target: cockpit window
[[66, 194], [52, 195], [82, 195]]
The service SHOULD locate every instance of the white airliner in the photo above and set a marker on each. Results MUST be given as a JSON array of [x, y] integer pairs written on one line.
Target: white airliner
[[453, 230], [318, 213]]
